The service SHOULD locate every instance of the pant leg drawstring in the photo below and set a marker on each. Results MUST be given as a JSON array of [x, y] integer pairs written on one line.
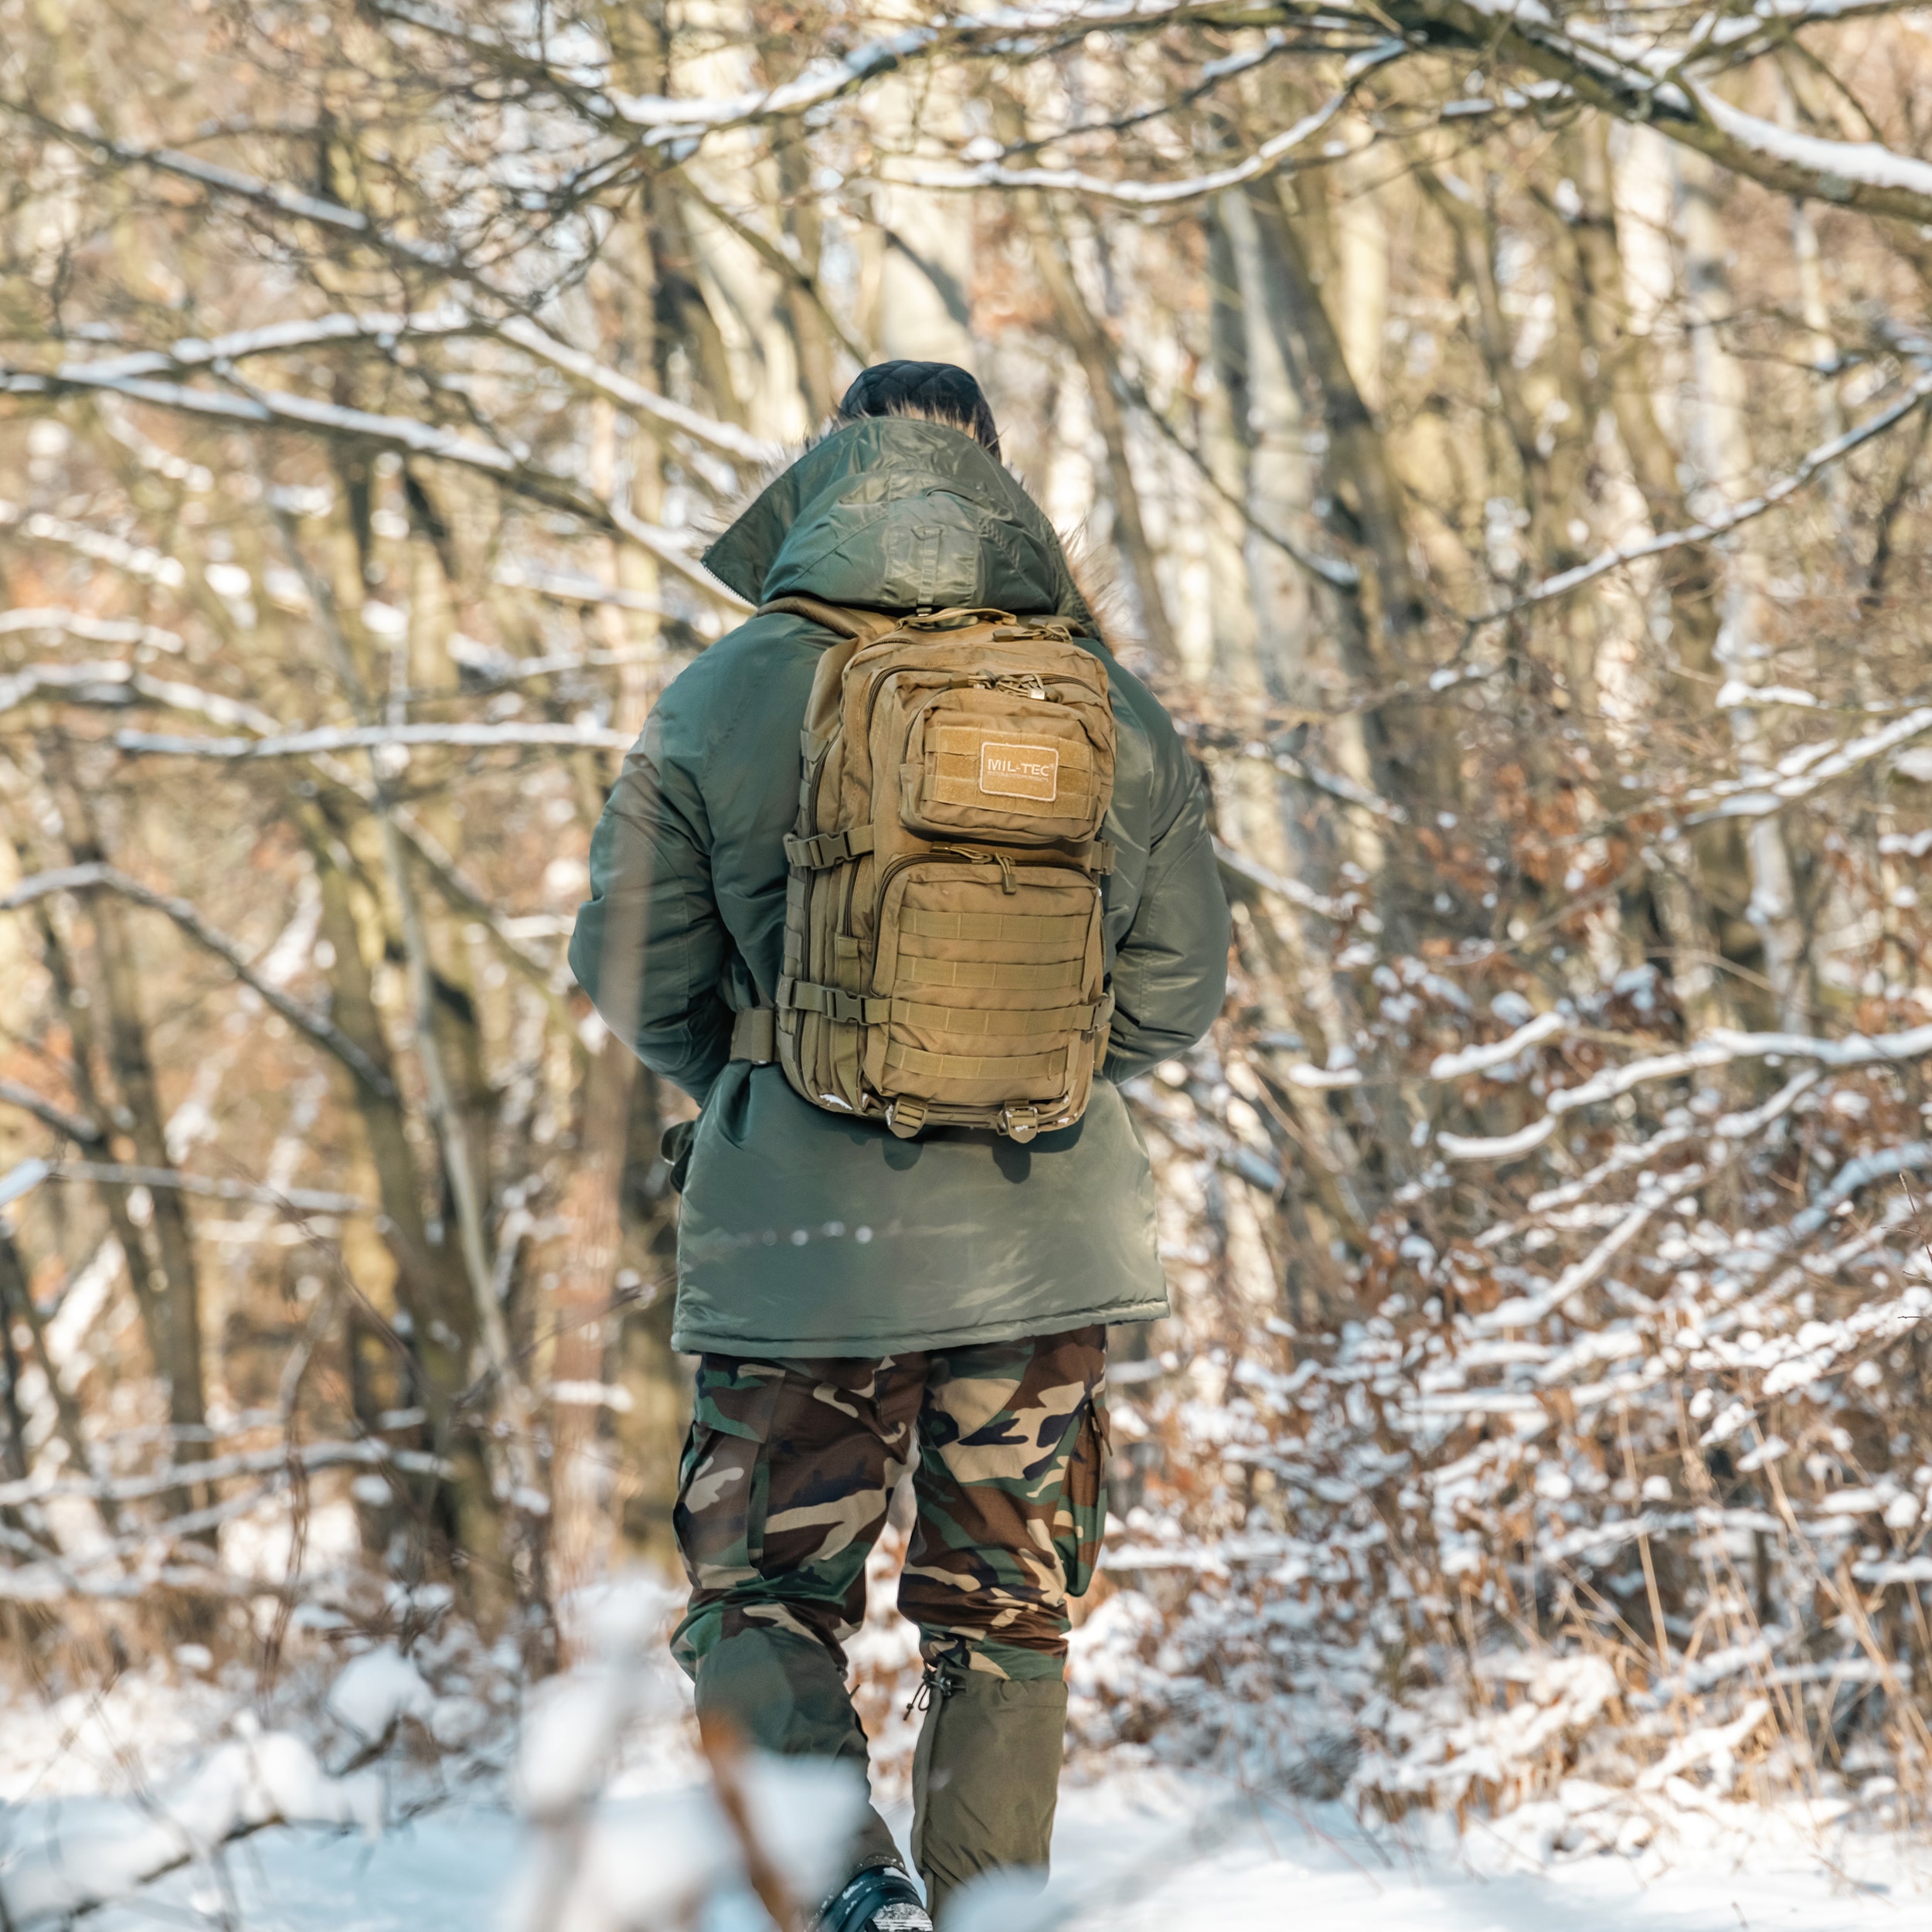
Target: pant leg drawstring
[[935, 1679]]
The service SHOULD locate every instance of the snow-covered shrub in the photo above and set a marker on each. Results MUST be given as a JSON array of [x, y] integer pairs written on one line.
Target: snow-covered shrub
[[1613, 1435]]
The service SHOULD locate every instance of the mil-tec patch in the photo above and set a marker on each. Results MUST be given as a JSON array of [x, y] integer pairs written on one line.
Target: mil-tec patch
[[1020, 771]]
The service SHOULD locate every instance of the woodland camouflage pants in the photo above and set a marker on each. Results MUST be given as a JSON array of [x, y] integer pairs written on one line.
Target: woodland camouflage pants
[[790, 1467], [788, 1475]]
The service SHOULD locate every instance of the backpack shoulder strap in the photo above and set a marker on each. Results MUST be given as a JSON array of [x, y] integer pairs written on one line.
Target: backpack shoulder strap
[[861, 625]]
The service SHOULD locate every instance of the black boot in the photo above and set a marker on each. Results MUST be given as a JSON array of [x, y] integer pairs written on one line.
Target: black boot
[[880, 1899]]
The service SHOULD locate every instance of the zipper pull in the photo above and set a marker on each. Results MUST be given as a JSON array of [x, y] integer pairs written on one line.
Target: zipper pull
[[1008, 883]]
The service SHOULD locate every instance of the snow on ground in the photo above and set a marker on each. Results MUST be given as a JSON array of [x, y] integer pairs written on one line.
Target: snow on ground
[[1144, 1851], [1122, 1844], [497, 1838]]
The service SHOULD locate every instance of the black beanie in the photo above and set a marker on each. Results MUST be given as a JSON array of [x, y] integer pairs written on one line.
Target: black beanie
[[936, 392]]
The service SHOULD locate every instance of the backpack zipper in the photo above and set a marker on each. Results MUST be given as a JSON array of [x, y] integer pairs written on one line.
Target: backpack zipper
[[1087, 692], [966, 855]]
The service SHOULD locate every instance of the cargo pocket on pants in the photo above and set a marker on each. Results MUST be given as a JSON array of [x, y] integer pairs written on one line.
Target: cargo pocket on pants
[[724, 1475], [1083, 1512]]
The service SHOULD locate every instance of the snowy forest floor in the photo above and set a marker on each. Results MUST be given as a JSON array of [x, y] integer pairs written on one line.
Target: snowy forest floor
[[455, 1777], [1128, 1855], [1138, 1846]]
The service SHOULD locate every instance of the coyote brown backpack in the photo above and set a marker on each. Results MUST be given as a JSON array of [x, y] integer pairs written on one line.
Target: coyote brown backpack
[[944, 963]]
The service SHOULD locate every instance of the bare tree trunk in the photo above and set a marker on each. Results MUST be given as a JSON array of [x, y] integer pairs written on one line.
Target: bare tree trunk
[[177, 1293], [1358, 460], [1744, 648], [431, 1288], [1279, 487], [1380, 636], [78, 1016], [1629, 379], [581, 1308], [16, 1300], [1084, 335], [13, 1458], [1627, 367], [817, 351]]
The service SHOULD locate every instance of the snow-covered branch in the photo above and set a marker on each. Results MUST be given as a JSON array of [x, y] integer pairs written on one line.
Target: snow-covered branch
[[74, 1127], [1808, 469], [1266, 159], [120, 685], [316, 1026], [1637, 80], [1293, 890], [69, 1856], [1799, 773], [56, 621], [136, 560], [680, 123], [306, 744], [297, 1201], [537, 341], [386, 332], [508, 465], [372, 1454], [1645, 82], [1480, 1059], [1720, 1047]]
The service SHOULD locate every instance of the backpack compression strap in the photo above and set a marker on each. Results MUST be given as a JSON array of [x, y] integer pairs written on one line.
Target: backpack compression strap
[[754, 1031]]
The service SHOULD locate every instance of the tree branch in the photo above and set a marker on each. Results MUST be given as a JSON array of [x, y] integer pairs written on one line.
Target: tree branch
[[1809, 467], [75, 1126], [315, 1026], [303, 744], [271, 409], [1650, 84]]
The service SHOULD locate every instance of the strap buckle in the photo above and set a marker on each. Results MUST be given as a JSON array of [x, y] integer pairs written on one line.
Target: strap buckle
[[832, 1002], [1020, 1123], [824, 848], [906, 1117]]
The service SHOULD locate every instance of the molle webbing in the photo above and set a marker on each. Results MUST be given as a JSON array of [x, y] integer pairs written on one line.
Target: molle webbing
[[992, 926]]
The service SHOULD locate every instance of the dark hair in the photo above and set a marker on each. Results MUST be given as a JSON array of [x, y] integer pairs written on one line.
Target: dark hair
[[934, 392]]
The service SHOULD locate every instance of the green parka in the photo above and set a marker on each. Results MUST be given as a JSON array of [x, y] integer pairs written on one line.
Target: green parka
[[804, 1233]]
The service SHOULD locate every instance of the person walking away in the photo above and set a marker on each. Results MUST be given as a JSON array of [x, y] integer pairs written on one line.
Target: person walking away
[[902, 973]]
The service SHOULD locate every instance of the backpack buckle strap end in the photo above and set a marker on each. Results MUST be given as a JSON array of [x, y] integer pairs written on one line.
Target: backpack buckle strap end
[[754, 1035], [1101, 858]]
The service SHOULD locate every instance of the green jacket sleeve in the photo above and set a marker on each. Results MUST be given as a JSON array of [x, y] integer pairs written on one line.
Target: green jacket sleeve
[[1170, 974], [650, 946]]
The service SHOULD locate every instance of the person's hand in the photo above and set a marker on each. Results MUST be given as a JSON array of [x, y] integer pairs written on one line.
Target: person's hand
[[675, 1146]]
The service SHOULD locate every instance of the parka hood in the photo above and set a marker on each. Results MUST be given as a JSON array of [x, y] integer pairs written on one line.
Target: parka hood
[[895, 514]]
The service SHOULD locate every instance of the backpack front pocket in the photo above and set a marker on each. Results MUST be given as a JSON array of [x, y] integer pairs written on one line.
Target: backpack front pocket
[[997, 763], [993, 971]]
